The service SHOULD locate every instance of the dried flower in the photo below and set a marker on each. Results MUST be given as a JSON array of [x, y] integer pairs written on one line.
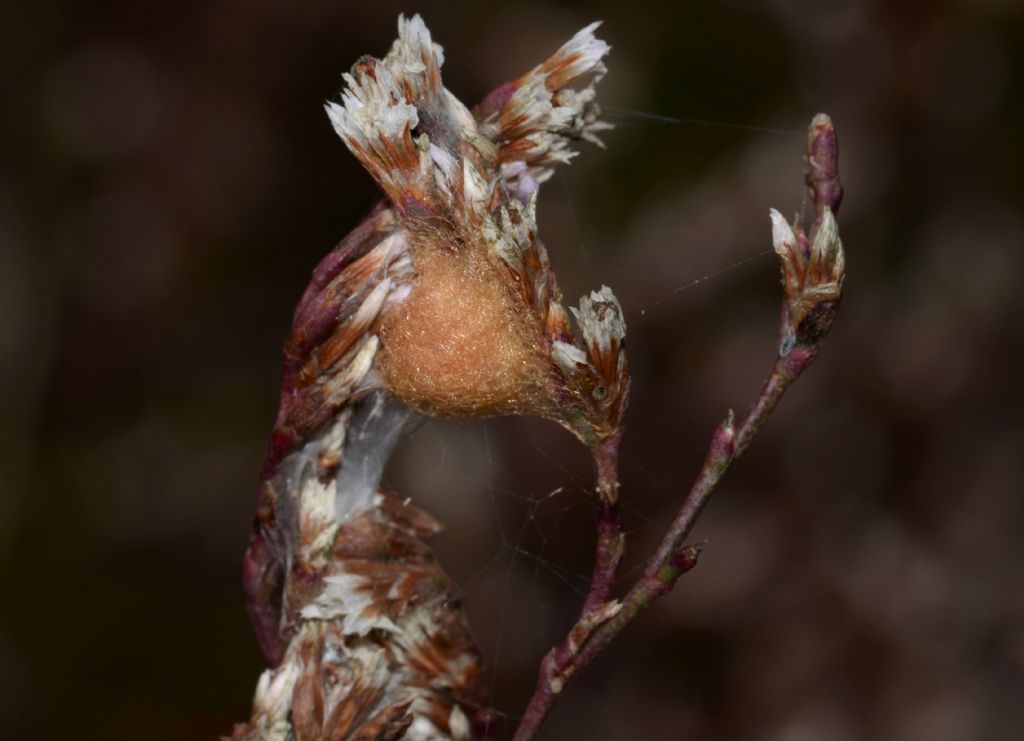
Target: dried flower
[[812, 277]]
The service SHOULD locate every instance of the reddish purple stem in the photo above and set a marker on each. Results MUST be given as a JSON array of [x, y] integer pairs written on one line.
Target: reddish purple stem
[[598, 625]]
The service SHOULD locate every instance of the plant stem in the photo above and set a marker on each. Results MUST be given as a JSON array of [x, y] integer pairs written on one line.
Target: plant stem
[[601, 621], [671, 559], [610, 540]]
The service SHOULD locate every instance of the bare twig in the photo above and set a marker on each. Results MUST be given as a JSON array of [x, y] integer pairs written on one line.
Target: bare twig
[[813, 273]]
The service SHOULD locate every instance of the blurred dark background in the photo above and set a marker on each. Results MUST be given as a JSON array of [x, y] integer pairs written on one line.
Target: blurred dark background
[[169, 180]]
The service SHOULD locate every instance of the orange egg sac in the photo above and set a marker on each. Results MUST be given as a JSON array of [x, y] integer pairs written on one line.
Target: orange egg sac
[[461, 344]]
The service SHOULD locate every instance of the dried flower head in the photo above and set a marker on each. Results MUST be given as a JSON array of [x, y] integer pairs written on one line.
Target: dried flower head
[[466, 310], [812, 277], [813, 264], [442, 302]]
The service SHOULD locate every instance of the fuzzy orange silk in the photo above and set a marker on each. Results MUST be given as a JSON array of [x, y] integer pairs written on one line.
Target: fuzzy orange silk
[[461, 344]]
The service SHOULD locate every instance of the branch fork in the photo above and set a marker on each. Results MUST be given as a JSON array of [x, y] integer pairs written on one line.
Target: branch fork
[[813, 271]]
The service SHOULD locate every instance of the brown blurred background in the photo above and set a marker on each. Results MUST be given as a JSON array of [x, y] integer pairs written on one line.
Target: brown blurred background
[[169, 180]]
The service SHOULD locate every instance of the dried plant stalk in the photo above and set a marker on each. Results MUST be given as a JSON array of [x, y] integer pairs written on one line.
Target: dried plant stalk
[[443, 303]]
